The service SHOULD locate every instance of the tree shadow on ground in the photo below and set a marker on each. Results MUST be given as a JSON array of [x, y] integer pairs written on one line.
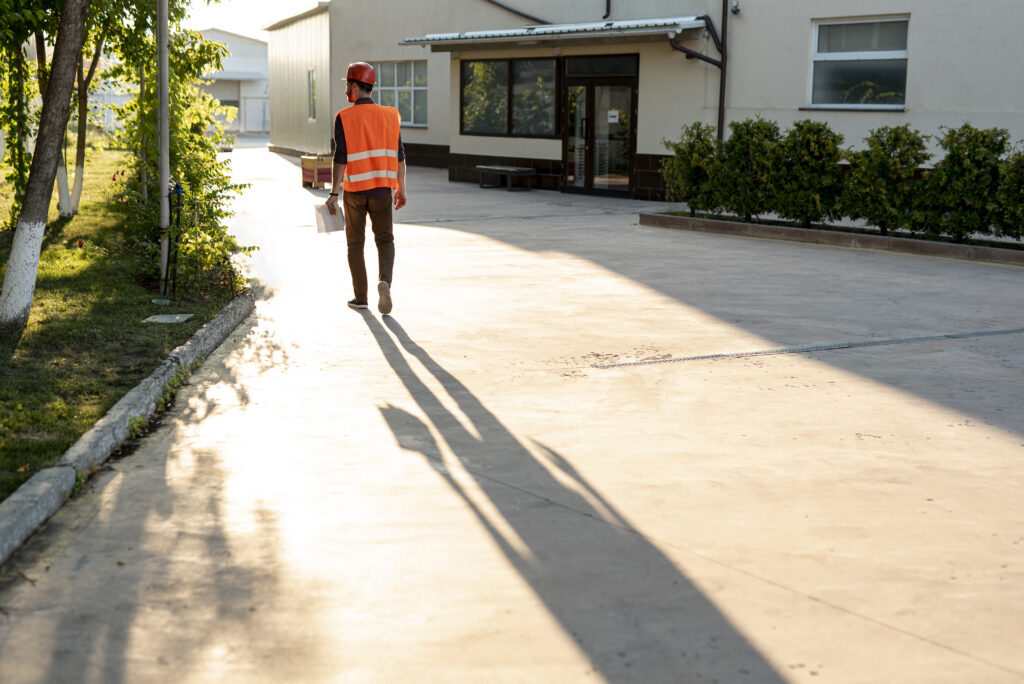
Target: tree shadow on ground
[[634, 614], [138, 606]]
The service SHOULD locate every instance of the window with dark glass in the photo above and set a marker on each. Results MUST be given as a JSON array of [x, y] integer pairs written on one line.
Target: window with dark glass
[[509, 97], [533, 97], [860, 64]]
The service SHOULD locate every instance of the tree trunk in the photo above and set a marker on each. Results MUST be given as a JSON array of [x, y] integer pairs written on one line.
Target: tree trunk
[[23, 264], [142, 150], [63, 194], [84, 79], [83, 112], [42, 72]]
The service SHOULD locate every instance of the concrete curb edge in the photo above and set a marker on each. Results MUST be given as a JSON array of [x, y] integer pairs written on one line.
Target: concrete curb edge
[[835, 238], [32, 504]]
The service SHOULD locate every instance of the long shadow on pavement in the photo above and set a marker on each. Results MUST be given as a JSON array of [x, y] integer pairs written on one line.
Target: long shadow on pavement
[[630, 610], [795, 295]]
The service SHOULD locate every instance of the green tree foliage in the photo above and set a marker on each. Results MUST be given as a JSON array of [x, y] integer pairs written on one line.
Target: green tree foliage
[[884, 181], [1010, 197], [19, 95], [810, 180], [485, 96], [205, 247], [689, 171], [745, 178], [963, 185]]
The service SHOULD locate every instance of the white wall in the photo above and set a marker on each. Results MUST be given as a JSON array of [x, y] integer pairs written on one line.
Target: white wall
[[293, 49], [245, 56], [963, 63]]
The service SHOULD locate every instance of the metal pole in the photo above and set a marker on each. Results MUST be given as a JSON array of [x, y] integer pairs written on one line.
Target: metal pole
[[721, 74], [163, 129]]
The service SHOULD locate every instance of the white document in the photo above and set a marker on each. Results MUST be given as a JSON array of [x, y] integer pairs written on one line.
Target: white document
[[326, 222]]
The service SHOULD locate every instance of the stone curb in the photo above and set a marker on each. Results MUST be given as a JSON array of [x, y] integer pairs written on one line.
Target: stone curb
[[31, 505], [42, 495], [834, 238]]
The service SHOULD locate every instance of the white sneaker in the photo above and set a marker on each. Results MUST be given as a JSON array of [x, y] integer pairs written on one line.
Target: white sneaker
[[384, 303]]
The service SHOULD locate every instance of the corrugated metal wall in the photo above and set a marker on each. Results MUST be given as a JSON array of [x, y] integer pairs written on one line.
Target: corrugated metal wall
[[294, 50]]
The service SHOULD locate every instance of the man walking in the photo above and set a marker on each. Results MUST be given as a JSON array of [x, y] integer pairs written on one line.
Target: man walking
[[369, 164]]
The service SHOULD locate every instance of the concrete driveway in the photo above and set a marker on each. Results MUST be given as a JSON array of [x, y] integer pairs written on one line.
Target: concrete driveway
[[556, 462]]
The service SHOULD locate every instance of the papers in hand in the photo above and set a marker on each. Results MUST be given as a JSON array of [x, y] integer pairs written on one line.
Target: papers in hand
[[326, 222]]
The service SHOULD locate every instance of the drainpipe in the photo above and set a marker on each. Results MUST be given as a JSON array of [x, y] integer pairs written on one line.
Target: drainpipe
[[720, 43], [607, 9]]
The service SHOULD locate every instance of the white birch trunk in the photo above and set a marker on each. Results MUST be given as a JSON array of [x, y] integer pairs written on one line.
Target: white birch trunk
[[64, 206], [76, 193], [20, 279]]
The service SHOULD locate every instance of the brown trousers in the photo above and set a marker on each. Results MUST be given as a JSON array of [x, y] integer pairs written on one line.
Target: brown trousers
[[356, 208]]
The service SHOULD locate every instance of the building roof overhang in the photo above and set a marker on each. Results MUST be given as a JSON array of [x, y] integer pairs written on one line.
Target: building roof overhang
[[321, 6], [626, 31]]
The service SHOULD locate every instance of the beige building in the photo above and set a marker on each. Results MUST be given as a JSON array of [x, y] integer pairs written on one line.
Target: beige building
[[242, 81], [585, 91]]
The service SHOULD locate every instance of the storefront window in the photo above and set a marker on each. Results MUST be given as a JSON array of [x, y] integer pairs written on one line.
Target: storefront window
[[485, 97], [489, 86], [533, 97]]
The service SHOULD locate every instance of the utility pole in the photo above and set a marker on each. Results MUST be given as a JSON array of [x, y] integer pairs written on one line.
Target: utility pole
[[163, 132]]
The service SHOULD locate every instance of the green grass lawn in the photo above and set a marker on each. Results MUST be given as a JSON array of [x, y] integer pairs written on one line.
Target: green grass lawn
[[85, 344]]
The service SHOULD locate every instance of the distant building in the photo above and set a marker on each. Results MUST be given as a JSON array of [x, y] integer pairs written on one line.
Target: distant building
[[585, 92], [242, 82]]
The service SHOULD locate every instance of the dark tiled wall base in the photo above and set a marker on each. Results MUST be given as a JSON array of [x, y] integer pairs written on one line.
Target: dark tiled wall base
[[418, 154], [462, 168], [649, 183]]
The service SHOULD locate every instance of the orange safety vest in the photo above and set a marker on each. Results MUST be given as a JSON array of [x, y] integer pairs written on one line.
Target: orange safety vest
[[371, 145]]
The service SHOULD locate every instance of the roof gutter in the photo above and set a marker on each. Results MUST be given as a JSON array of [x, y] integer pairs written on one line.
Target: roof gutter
[[513, 10], [720, 43]]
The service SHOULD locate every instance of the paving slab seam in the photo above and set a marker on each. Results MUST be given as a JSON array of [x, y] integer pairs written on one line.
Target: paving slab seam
[[625, 527], [805, 349], [42, 495]]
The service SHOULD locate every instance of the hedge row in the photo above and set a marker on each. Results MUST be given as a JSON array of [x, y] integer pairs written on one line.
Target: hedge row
[[804, 174]]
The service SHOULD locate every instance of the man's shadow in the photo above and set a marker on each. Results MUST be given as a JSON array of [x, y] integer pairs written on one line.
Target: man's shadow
[[626, 605]]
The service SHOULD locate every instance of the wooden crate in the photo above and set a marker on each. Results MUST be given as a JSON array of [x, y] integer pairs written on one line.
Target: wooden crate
[[316, 171]]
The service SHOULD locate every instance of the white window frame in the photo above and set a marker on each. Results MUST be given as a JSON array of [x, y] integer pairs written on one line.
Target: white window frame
[[853, 57], [412, 89]]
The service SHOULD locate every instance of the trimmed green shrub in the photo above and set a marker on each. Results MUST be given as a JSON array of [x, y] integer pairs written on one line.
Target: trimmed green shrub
[[1010, 197], [746, 175], [688, 173], [809, 180], [883, 180], [962, 187]]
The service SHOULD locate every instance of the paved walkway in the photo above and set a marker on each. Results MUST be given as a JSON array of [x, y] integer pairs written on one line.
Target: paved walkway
[[458, 493]]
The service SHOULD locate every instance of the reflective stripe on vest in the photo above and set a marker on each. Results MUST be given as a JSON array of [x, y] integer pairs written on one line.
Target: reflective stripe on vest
[[371, 147]]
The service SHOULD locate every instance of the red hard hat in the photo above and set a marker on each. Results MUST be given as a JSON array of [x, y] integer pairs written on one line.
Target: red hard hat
[[361, 71]]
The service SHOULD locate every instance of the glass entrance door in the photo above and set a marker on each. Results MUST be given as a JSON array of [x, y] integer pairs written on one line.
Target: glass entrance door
[[599, 136]]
